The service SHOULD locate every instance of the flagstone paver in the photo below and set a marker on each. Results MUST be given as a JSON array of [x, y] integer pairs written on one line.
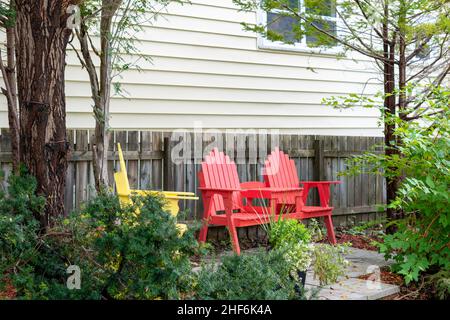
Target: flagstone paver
[[350, 287]]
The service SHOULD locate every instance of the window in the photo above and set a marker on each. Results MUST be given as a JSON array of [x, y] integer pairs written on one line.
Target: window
[[299, 35]]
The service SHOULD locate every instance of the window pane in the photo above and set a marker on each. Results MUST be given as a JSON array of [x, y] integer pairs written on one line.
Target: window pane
[[283, 25], [316, 38], [321, 7], [293, 4]]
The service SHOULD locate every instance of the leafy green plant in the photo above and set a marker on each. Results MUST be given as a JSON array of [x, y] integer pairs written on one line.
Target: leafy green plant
[[19, 232], [288, 231], [361, 228], [136, 250], [419, 158], [294, 239], [422, 240], [263, 275], [440, 281], [123, 252], [317, 231], [329, 262]]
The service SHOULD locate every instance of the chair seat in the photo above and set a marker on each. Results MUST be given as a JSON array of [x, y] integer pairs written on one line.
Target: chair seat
[[239, 216], [244, 219]]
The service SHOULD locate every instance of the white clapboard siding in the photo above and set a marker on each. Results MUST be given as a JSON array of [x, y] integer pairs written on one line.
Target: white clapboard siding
[[184, 107], [205, 70], [236, 69]]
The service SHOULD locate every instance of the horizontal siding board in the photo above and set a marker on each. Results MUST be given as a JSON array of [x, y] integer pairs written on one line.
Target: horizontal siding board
[[220, 68], [267, 57], [180, 58], [196, 38], [206, 68], [220, 4], [197, 24], [161, 78], [182, 107], [219, 13], [199, 93], [247, 121]]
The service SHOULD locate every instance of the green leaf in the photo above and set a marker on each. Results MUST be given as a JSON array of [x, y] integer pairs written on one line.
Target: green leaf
[[429, 181]]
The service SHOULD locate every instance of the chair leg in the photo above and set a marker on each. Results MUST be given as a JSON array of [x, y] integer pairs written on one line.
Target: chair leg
[[330, 228], [234, 238], [206, 218], [203, 232]]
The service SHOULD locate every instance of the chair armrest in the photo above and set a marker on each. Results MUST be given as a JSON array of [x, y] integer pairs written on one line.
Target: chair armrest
[[319, 182], [219, 189], [324, 190], [268, 193]]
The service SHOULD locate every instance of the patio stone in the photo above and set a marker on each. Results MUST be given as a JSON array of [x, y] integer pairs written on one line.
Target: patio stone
[[349, 286]]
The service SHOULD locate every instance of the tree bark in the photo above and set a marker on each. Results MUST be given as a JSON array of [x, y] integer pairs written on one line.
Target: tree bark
[[10, 92], [42, 38], [389, 109], [101, 108]]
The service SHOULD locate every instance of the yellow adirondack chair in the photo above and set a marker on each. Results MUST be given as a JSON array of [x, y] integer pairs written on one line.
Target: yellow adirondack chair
[[172, 197]]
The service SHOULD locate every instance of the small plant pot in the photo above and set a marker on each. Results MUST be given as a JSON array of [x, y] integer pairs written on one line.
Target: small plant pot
[[302, 277], [300, 286]]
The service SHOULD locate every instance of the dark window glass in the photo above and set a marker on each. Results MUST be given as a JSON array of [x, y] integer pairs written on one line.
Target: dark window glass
[[293, 4], [282, 25], [315, 37], [321, 7]]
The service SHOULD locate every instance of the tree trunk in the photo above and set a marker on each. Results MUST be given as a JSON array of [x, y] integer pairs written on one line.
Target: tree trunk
[[389, 138], [42, 38], [10, 92], [389, 109], [101, 107]]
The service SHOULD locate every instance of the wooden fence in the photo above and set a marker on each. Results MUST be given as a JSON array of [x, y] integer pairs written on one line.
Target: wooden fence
[[150, 164]]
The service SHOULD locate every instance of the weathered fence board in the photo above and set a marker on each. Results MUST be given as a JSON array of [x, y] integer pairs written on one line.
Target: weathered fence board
[[154, 162]]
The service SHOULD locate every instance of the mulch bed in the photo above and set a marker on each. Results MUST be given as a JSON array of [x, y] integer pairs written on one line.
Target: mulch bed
[[414, 291], [386, 276], [9, 293], [359, 241]]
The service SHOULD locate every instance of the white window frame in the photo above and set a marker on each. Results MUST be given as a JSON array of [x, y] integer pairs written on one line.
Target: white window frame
[[264, 43]]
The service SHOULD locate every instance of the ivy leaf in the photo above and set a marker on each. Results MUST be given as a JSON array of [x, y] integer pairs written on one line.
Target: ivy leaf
[[430, 182]]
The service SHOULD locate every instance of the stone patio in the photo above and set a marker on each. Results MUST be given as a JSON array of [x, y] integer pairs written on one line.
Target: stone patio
[[349, 287]]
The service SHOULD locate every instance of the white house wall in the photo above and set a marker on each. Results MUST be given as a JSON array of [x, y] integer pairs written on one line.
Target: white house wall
[[205, 69]]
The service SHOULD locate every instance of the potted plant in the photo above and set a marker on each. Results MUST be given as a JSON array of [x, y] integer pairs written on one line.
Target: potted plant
[[329, 260], [294, 240]]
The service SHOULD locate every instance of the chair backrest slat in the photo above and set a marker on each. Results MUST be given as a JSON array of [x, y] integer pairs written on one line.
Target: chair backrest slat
[[219, 172], [280, 172], [121, 179]]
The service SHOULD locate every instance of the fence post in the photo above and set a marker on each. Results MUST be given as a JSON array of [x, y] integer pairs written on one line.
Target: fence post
[[319, 170], [166, 165]]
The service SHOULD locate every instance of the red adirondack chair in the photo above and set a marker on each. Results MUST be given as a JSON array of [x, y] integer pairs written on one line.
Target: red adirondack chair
[[223, 198], [280, 172]]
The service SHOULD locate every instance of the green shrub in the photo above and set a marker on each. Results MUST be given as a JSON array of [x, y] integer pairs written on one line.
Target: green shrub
[[440, 283], [20, 235], [121, 254], [329, 262], [294, 239], [257, 276], [287, 231], [421, 162], [133, 256], [422, 240]]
